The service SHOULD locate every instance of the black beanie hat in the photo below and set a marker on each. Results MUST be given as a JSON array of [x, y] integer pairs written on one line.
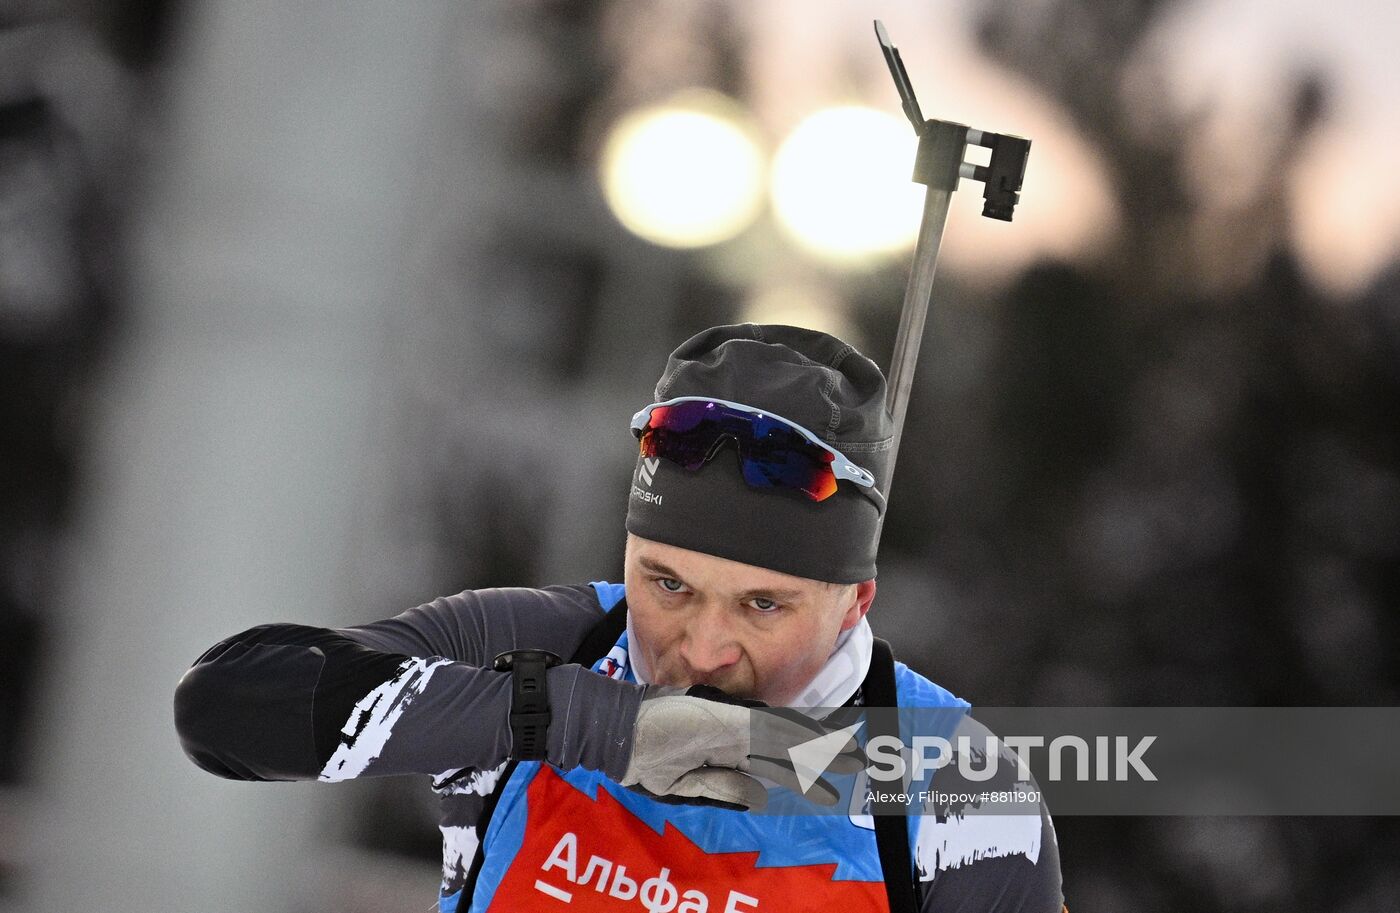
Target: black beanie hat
[[805, 376]]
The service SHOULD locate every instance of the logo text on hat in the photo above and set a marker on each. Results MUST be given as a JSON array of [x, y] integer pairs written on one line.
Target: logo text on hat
[[650, 497]]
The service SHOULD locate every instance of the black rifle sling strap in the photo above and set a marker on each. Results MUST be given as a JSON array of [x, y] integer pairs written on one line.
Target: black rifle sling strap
[[891, 828], [596, 644]]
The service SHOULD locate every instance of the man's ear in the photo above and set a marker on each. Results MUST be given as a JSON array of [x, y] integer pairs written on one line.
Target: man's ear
[[860, 604]]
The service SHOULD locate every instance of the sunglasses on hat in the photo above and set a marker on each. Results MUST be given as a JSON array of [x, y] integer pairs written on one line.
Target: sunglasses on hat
[[773, 451]]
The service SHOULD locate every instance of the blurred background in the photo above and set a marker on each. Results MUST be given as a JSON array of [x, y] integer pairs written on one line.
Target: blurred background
[[313, 312]]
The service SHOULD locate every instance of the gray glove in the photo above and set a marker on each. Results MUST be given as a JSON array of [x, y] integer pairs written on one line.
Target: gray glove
[[695, 746]]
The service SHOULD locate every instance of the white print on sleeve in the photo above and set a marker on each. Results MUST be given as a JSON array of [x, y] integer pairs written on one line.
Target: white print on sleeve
[[459, 846], [372, 721], [480, 782], [962, 839]]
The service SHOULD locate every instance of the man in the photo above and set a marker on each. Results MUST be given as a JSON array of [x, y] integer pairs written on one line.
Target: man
[[633, 780]]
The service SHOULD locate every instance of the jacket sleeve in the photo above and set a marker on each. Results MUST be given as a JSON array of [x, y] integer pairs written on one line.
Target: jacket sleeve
[[409, 694], [995, 856]]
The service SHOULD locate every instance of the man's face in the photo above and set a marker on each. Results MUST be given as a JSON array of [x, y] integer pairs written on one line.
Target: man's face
[[699, 619]]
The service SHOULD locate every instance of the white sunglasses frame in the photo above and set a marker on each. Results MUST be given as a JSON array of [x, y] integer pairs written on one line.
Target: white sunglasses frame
[[841, 466]]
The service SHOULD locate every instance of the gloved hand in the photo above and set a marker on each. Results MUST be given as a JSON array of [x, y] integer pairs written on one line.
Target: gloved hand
[[694, 746]]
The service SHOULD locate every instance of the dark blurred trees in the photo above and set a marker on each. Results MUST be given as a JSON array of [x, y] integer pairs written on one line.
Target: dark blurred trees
[[1179, 439], [1189, 482]]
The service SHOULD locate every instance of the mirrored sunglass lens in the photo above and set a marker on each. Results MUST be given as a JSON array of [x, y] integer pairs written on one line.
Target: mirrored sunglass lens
[[771, 452], [801, 466], [689, 449], [823, 485], [772, 428], [681, 416]]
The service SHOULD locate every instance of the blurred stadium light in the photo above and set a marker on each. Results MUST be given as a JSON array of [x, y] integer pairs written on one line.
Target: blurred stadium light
[[690, 173], [873, 209], [686, 173]]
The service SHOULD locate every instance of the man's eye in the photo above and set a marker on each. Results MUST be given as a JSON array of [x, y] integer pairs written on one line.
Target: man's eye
[[670, 584], [763, 605]]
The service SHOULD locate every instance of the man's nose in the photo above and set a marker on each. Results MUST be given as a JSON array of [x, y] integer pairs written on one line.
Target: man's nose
[[709, 643]]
